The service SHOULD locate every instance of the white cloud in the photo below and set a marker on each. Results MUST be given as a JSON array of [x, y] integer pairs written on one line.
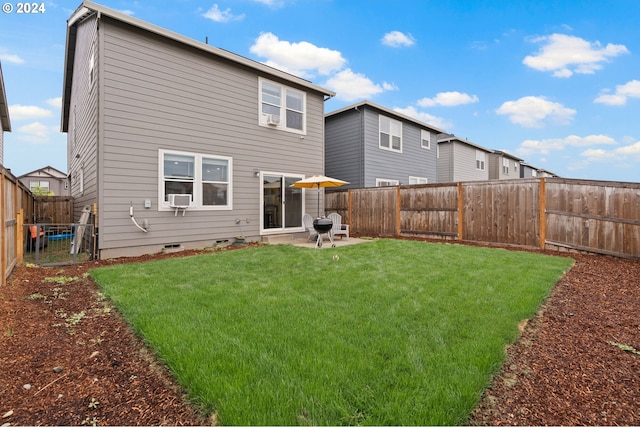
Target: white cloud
[[36, 133], [127, 12], [217, 15], [565, 55], [350, 86], [546, 146], [535, 111], [448, 99], [14, 59], [397, 39], [302, 59], [424, 117], [633, 149], [630, 89], [55, 102], [27, 112], [271, 3]]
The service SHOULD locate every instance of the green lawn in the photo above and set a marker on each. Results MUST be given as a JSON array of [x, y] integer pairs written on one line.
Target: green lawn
[[392, 332]]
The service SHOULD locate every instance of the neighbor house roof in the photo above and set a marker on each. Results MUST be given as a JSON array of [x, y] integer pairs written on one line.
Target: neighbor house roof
[[4, 107], [386, 111], [452, 138], [88, 8], [47, 170], [509, 155]]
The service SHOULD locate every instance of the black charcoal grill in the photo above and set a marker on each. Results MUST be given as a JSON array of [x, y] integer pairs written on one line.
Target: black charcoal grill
[[323, 226]]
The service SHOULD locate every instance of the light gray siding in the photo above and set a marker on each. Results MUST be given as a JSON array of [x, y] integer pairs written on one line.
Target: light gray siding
[[158, 94], [459, 162], [344, 154], [496, 167], [82, 134]]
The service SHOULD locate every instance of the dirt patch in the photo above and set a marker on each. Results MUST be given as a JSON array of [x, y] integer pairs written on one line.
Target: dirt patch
[[68, 358]]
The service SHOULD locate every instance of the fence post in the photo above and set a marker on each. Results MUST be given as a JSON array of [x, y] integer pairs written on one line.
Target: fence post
[[398, 210], [460, 213], [543, 216], [20, 236], [349, 217]]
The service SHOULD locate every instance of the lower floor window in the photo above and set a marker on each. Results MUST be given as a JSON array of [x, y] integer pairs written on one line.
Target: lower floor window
[[205, 178], [418, 180], [381, 182]]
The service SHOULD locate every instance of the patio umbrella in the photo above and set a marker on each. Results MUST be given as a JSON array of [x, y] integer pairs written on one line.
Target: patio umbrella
[[317, 181]]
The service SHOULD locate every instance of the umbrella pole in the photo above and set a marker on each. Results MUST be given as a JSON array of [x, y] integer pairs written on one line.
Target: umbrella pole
[[318, 200]]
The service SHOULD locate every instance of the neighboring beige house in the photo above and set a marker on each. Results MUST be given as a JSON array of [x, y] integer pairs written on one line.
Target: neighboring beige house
[[179, 143], [47, 179], [5, 123], [461, 160], [503, 165]]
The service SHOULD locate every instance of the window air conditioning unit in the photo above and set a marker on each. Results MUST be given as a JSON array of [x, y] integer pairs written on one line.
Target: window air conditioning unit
[[179, 200], [273, 120]]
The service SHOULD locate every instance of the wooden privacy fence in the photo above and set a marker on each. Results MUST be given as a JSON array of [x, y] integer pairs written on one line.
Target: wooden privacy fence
[[594, 216], [53, 209], [17, 204]]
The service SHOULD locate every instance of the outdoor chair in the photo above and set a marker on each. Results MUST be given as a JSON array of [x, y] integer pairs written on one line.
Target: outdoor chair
[[307, 220], [338, 226]]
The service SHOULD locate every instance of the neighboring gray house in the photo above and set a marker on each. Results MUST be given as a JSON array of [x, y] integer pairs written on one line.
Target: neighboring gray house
[[5, 123], [543, 173], [461, 160], [529, 171], [370, 145], [181, 144], [48, 179], [503, 165]]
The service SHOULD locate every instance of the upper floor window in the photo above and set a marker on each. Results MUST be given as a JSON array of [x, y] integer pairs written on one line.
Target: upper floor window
[[282, 107], [390, 134], [534, 173], [481, 159], [425, 139], [39, 186], [505, 166], [206, 178]]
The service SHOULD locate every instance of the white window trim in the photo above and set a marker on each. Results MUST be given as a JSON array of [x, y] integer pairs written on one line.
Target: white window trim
[[196, 203], [505, 166], [391, 182], [390, 147], [481, 157], [423, 133], [282, 125], [418, 180]]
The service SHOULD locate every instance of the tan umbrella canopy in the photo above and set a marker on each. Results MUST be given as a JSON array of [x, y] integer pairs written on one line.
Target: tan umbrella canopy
[[317, 181]]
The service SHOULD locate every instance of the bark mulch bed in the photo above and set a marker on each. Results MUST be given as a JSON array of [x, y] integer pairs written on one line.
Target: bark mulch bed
[[67, 357]]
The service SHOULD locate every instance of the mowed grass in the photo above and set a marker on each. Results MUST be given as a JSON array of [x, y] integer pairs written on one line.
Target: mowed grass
[[393, 332]]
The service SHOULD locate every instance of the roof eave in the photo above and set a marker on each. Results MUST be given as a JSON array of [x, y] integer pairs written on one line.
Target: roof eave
[[386, 110], [4, 107], [90, 7]]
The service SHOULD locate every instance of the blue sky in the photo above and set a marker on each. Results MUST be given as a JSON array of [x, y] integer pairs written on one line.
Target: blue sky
[[556, 83]]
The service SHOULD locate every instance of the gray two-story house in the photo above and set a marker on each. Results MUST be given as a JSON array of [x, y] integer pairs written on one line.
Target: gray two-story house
[[181, 144], [5, 123], [461, 160], [370, 145]]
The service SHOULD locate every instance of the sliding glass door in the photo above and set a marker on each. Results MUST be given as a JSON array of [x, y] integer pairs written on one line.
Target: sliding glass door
[[281, 204]]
